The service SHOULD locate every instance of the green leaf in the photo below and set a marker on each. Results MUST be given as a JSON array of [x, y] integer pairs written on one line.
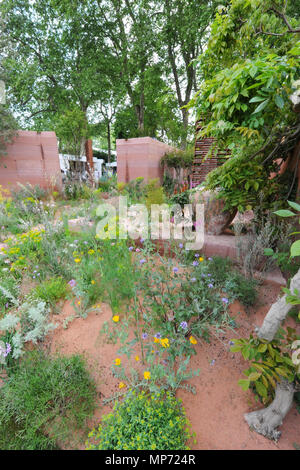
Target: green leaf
[[254, 376], [279, 101], [294, 205], [235, 348], [246, 352], [244, 383], [261, 106], [257, 99], [268, 251], [262, 348], [284, 213], [261, 389], [295, 249]]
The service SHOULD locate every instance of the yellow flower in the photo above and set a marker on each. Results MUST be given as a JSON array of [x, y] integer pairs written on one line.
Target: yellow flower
[[201, 259], [93, 282], [116, 318], [137, 358], [147, 375], [122, 385], [78, 303], [117, 361], [91, 252], [77, 260], [193, 340], [156, 340], [165, 342]]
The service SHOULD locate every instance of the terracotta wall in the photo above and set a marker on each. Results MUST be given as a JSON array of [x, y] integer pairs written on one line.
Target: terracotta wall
[[140, 157], [31, 158]]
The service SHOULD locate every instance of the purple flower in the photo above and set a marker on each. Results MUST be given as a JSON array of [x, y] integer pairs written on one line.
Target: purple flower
[[212, 363], [8, 349], [157, 335], [137, 250], [225, 300], [231, 343], [209, 275], [193, 279], [130, 248], [142, 261], [85, 242], [203, 275], [175, 270], [144, 335], [72, 283], [180, 245], [195, 263], [6, 305], [142, 240], [183, 325], [210, 286], [209, 259], [197, 255]]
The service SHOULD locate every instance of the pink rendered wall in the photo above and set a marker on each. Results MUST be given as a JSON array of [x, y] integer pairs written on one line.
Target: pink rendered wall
[[31, 158], [140, 157]]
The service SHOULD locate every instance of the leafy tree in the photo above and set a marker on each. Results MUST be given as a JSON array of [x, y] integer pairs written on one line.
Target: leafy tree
[[7, 122], [250, 70], [61, 61], [183, 33]]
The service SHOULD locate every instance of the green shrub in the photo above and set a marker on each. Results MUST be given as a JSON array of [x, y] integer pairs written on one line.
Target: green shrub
[[44, 402], [181, 198], [154, 193], [51, 290], [77, 190], [143, 422], [219, 268], [241, 288]]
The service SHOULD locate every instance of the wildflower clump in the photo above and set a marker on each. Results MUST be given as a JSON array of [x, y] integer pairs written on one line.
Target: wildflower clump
[[143, 422]]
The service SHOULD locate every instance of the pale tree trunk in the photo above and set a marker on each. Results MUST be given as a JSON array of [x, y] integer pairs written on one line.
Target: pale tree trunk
[[267, 420]]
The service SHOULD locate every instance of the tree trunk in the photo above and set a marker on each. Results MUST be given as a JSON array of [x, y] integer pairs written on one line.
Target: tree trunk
[[185, 120], [277, 313], [267, 420]]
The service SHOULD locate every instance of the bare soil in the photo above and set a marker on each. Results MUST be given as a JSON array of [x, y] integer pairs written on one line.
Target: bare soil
[[216, 410]]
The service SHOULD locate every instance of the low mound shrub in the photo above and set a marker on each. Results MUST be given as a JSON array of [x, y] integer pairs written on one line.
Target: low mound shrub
[[143, 422], [45, 402]]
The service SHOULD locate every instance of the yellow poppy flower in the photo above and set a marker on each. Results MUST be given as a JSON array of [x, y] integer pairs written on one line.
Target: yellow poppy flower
[[116, 318], [193, 340], [122, 385], [137, 358], [93, 282], [165, 342], [77, 260], [147, 375], [117, 361]]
